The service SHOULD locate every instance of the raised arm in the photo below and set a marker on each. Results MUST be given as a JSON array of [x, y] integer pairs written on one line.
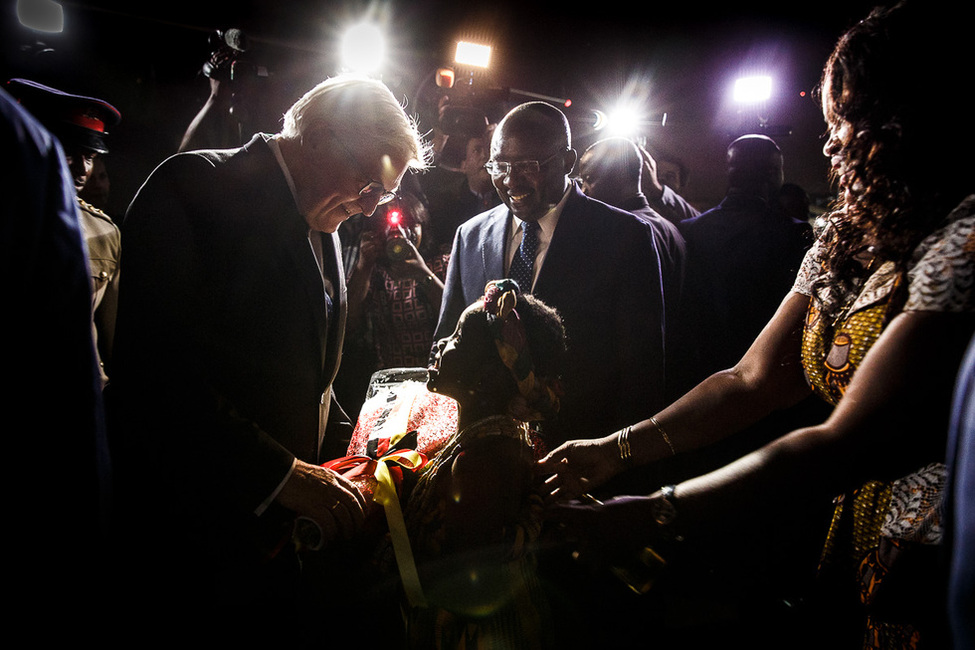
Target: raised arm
[[892, 420]]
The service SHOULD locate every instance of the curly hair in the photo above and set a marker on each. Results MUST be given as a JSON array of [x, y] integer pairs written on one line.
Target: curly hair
[[546, 338], [901, 171], [546, 334]]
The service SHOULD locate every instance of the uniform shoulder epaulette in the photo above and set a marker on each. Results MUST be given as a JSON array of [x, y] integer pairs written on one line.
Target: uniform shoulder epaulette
[[88, 207]]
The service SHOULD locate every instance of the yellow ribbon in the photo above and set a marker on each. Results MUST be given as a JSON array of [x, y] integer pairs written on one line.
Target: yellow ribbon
[[386, 495]]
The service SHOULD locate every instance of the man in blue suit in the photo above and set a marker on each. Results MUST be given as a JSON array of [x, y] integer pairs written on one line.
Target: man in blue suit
[[593, 263]]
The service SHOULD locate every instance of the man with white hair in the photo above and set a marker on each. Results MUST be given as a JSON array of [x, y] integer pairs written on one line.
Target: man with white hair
[[230, 330]]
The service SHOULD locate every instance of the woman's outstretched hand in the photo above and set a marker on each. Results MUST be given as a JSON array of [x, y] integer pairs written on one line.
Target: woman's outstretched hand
[[579, 466]]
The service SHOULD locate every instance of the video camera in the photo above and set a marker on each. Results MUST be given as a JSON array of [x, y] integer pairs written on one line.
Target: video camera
[[226, 62]]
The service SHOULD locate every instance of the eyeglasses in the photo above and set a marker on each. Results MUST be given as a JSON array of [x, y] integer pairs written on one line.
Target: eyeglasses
[[500, 169], [373, 190]]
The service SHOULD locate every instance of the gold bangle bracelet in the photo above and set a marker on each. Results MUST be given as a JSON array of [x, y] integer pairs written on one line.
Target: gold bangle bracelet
[[663, 434], [623, 440]]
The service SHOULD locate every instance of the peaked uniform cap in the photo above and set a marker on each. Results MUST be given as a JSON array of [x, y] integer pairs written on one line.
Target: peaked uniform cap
[[76, 120]]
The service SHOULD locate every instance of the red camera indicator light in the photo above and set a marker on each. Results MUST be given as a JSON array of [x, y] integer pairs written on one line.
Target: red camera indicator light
[[394, 217]]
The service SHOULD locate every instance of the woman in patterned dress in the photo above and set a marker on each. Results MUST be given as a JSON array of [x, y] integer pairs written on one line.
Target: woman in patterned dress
[[397, 285], [876, 324], [395, 289]]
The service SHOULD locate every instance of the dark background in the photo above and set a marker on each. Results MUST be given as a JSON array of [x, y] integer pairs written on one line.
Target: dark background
[[677, 59]]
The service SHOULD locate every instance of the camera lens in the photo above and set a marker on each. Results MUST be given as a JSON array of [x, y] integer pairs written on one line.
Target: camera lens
[[396, 247]]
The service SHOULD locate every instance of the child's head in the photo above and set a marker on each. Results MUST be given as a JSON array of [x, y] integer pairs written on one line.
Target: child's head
[[508, 349]]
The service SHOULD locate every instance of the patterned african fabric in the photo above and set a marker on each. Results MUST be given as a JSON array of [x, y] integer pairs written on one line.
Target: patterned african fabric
[[940, 277], [402, 318], [880, 522], [503, 607]]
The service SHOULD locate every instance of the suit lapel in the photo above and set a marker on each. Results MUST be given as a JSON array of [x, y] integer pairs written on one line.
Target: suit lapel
[[332, 256], [310, 279], [563, 249], [493, 245], [295, 230]]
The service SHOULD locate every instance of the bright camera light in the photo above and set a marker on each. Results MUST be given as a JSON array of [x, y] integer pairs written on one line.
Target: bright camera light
[[41, 15], [473, 54], [751, 90], [363, 48], [624, 121]]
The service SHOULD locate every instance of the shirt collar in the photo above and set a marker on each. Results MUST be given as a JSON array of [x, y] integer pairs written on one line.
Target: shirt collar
[[547, 221], [275, 147]]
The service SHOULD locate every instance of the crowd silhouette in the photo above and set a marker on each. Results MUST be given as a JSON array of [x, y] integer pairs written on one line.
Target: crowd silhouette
[[472, 379]]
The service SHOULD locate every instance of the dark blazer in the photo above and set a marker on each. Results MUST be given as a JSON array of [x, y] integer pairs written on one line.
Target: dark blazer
[[742, 259], [56, 395], [672, 251], [226, 350], [601, 274]]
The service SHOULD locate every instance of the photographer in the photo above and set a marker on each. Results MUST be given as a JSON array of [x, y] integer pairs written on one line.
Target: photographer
[[395, 291], [220, 121], [458, 187]]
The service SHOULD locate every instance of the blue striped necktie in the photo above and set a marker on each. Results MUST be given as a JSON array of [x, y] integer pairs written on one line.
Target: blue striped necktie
[[523, 264]]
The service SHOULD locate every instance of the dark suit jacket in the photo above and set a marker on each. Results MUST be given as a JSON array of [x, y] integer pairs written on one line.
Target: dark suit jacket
[[672, 251], [959, 524], [601, 274], [57, 389], [742, 259], [226, 351]]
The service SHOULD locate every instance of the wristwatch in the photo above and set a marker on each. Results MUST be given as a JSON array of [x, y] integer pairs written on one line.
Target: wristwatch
[[664, 510], [640, 573]]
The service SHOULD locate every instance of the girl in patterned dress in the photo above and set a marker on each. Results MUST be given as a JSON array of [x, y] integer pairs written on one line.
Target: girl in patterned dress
[[474, 516], [876, 324]]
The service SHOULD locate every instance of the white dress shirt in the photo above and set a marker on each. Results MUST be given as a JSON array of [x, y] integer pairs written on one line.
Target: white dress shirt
[[547, 224]]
